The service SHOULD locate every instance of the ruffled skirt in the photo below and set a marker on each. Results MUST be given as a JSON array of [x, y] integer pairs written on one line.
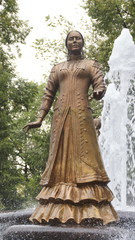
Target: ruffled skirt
[[65, 202]]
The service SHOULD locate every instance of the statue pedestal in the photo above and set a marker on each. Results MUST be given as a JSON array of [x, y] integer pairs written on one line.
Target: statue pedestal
[[123, 230], [29, 232]]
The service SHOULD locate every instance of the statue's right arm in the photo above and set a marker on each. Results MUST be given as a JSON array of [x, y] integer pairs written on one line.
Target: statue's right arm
[[47, 100]]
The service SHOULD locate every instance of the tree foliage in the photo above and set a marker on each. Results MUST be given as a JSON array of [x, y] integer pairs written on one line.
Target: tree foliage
[[108, 18], [12, 29], [22, 156], [15, 99], [29, 152]]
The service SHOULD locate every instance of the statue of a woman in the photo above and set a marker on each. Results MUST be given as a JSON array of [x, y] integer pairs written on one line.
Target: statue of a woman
[[74, 181]]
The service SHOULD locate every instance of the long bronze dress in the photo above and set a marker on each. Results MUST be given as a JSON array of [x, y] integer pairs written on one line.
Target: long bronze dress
[[74, 181]]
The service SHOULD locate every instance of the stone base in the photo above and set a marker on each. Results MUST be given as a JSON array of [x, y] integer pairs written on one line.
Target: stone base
[[123, 230], [31, 232]]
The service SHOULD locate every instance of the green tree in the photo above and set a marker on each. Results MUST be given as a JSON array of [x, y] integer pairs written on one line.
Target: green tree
[[12, 31], [108, 18], [30, 151], [23, 156]]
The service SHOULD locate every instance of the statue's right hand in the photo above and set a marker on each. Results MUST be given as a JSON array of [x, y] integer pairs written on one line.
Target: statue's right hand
[[30, 125]]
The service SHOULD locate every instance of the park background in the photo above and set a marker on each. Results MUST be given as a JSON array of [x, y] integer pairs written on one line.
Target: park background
[[26, 57]]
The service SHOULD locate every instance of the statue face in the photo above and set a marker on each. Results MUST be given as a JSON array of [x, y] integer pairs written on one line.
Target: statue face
[[74, 42]]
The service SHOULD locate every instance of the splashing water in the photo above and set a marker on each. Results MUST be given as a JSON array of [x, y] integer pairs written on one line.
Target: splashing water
[[117, 138]]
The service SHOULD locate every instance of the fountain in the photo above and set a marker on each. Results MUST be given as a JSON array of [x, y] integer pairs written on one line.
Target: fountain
[[117, 142], [117, 139]]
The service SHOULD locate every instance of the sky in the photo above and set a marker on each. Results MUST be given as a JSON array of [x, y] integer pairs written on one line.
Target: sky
[[35, 11]]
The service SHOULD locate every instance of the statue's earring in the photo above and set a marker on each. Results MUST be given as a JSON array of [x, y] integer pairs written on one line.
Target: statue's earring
[[82, 54]]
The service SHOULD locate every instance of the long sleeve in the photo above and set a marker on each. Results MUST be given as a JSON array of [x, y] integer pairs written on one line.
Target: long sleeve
[[50, 91], [97, 81]]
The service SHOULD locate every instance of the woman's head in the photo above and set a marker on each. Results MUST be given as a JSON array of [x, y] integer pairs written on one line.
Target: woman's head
[[74, 42]]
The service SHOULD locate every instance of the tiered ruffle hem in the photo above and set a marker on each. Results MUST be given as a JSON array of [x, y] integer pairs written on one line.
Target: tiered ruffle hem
[[64, 202]]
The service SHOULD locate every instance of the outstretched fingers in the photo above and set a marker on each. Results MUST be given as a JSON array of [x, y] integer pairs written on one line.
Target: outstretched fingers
[[26, 128]]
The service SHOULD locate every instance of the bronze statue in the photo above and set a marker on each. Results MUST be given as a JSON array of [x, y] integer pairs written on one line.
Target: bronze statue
[[74, 181]]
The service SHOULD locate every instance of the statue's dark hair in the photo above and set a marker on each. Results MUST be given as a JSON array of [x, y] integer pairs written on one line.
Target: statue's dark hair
[[71, 32]]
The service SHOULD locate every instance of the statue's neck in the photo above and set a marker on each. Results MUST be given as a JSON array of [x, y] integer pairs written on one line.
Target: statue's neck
[[75, 57]]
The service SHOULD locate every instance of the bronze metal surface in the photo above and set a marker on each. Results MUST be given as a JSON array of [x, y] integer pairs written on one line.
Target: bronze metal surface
[[74, 181]]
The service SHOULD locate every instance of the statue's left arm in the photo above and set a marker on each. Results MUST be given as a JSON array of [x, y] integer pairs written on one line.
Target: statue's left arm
[[98, 81]]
